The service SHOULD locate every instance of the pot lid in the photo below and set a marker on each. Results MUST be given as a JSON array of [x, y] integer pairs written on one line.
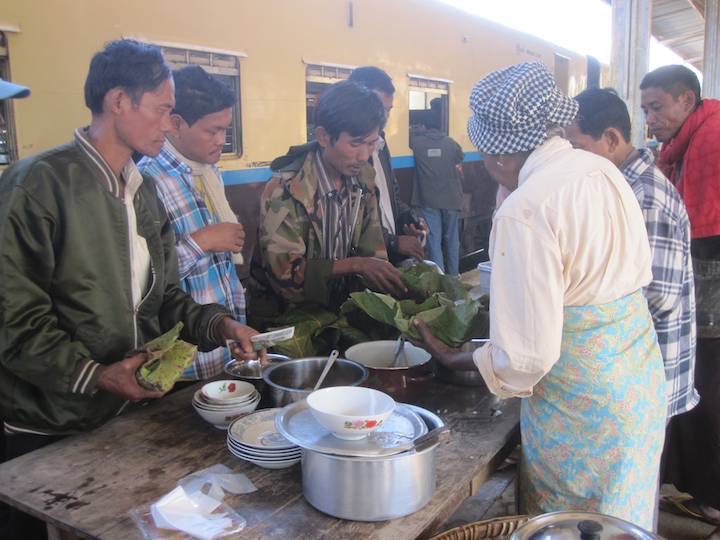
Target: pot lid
[[580, 525], [297, 424]]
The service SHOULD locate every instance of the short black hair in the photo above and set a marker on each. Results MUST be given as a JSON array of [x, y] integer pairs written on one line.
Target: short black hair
[[350, 107], [373, 78], [133, 66], [197, 93], [600, 109], [673, 79]]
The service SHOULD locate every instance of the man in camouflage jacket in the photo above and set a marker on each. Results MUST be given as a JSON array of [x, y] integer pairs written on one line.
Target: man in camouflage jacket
[[319, 225]]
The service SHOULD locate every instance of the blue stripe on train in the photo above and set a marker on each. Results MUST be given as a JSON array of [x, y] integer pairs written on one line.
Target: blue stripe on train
[[262, 174]]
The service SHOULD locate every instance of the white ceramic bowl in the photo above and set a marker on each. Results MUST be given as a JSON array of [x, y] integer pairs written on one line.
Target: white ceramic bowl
[[223, 392], [222, 419], [350, 412], [381, 354]]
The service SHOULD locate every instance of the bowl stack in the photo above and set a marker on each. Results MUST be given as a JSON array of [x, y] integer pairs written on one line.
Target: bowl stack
[[221, 402], [255, 438]]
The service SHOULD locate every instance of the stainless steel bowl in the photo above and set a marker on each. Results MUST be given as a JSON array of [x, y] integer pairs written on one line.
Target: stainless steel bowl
[[462, 378], [294, 380], [251, 371]]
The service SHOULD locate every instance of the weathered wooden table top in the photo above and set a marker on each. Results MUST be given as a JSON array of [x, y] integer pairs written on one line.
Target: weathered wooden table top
[[88, 483]]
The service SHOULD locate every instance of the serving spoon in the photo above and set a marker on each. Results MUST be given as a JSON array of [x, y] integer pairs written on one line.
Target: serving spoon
[[330, 361]]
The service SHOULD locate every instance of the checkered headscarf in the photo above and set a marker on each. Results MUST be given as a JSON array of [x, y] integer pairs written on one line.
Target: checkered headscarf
[[512, 107]]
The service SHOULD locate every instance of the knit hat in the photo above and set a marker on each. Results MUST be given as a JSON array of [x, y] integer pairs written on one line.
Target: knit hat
[[512, 107]]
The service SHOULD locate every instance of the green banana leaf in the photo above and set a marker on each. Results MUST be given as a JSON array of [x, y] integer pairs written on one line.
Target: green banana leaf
[[423, 280], [168, 357]]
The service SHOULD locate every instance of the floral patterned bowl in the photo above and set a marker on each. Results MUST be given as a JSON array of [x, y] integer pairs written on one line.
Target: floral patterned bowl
[[350, 412]]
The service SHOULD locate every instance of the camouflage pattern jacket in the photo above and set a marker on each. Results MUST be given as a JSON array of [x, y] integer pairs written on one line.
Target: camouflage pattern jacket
[[287, 268]]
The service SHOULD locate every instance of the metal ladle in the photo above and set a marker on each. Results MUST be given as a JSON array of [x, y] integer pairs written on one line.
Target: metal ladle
[[330, 361], [399, 351]]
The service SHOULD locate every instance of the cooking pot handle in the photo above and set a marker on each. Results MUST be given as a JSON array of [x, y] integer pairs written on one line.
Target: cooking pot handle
[[432, 437]]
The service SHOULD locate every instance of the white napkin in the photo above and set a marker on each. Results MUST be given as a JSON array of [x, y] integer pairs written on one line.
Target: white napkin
[[219, 477], [191, 514]]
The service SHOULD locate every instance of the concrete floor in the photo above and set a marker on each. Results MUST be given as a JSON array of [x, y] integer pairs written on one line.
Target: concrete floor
[[496, 498]]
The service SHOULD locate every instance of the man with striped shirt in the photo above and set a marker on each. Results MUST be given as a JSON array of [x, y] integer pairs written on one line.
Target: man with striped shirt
[[208, 237], [319, 227], [603, 127]]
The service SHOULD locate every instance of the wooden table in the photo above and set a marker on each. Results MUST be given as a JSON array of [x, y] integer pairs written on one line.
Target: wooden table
[[88, 483]]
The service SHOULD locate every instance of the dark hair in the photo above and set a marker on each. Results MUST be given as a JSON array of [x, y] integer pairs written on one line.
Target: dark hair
[[373, 78], [674, 80], [133, 66], [600, 109], [197, 93], [347, 106]]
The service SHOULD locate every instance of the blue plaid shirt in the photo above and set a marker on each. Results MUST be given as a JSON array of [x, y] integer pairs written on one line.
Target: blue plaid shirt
[[671, 294], [208, 277]]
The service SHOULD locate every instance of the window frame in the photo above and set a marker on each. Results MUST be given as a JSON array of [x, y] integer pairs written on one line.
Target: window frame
[[430, 85], [216, 62]]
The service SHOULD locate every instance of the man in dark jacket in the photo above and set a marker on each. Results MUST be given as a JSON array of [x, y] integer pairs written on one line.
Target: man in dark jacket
[[402, 229], [88, 270], [437, 189]]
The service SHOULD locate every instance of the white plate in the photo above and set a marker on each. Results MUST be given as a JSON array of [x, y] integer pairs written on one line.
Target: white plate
[[297, 424], [264, 454], [284, 464], [251, 457], [258, 431]]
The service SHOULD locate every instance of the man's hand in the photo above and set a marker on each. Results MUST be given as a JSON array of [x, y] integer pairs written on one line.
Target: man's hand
[[119, 379], [241, 348], [419, 230], [220, 237], [410, 246], [381, 275], [449, 357]]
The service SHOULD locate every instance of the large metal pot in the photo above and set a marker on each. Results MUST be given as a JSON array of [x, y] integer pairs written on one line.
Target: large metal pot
[[581, 526], [372, 488], [403, 383], [465, 377], [294, 380]]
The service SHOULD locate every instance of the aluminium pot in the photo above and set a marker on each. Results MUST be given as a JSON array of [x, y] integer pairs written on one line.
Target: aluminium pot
[[580, 526], [293, 380], [373, 488], [403, 383]]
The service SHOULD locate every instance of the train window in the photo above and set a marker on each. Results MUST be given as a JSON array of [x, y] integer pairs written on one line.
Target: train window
[[428, 98], [317, 78], [226, 67], [8, 148]]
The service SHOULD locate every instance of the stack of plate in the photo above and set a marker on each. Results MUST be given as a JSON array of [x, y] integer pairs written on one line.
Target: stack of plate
[[221, 402], [255, 438]]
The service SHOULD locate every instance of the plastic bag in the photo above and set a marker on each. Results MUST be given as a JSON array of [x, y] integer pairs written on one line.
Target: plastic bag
[[194, 509]]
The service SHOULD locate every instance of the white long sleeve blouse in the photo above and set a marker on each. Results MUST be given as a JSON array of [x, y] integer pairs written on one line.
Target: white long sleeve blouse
[[571, 234]]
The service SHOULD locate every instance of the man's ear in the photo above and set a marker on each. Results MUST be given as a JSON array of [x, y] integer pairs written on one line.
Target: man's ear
[[322, 136], [688, 100], [178, 122], [613, 138], [115, 99]]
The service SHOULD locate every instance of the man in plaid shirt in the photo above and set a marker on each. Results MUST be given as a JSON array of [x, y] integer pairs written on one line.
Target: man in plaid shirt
[[208, 237], [603, 127]]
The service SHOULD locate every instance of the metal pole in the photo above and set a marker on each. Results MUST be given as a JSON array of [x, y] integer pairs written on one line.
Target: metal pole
[[630, 57], [711, 53]]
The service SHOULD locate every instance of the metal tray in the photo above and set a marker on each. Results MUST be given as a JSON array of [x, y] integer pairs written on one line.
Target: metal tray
[[297, 424]]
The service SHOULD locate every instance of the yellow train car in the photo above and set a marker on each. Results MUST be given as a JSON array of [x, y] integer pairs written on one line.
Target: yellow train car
[[278, 55]]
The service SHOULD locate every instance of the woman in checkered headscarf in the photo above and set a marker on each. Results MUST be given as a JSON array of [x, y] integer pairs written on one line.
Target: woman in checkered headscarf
[[570, 328]]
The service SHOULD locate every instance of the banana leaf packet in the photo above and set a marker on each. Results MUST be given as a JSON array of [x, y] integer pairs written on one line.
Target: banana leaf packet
[[168, 357], [441, 301]]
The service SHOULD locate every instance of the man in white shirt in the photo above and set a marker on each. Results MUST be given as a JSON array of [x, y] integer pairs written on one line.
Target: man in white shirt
[[402, 229]]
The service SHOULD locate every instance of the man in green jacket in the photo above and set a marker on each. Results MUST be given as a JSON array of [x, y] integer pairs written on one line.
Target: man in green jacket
[[319, 226], [88, 270]]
